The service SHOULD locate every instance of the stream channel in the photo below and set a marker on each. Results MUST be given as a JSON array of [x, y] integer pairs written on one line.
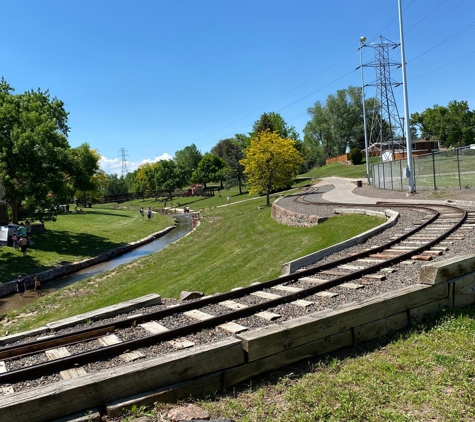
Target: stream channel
[[13, 301]]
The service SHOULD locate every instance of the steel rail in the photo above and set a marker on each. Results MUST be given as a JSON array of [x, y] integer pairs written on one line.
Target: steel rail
[[113, 350]]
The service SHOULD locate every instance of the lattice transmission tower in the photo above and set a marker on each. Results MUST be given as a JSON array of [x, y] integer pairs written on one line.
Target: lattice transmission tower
[[123, 155], [387, 127]]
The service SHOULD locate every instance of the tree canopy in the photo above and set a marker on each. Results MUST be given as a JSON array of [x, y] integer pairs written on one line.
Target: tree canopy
[[34, 151], [188, 158], [169, 176], [453, 125], [336, 125], [211, 168], [271, 163], [274, 122], [232, 152]]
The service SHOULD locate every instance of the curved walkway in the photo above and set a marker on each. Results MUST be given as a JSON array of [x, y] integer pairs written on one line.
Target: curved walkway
[[343, 193]]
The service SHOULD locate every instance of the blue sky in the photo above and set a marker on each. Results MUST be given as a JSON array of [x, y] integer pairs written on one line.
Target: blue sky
[[154, 76]]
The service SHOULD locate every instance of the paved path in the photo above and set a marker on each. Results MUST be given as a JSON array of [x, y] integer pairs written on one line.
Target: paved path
[[343, 193]]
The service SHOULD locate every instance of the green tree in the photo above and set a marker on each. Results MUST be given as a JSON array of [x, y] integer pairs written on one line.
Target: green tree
[[84, 165], [33, 148], [169, 176], [271, 163], [144, 180], [211, 168], [232, 153], [336, 125], [274, 122], [188, 158], [116, 185], [453, 125]]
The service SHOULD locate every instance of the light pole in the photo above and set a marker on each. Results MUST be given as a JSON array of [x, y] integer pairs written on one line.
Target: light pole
[[407, 122], [362, 41]]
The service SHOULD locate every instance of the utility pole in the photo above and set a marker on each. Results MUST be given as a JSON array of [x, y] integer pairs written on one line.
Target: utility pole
[[362, 41], [123, 158], [410, 170]]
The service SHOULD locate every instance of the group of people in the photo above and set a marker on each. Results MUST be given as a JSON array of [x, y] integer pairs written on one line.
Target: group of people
[[149, 213], [21, 286], [21, 237]]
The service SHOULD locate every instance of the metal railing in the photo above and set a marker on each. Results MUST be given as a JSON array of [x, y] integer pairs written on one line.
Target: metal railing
[[435, 171]]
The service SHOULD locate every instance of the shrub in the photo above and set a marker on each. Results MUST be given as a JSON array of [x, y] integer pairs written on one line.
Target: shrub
[[356, 156]]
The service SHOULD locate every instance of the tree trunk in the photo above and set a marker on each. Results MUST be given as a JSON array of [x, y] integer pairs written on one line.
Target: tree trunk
[[14, 205], [268, 197]]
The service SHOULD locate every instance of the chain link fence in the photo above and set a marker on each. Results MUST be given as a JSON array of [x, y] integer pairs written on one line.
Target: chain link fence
[[438, 170]]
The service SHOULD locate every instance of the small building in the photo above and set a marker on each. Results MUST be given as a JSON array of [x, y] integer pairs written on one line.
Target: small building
[[398, 151]]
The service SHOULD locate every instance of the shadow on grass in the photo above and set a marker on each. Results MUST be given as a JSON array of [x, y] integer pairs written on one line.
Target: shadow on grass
[[67, 247], [97, 212], [75, 244]]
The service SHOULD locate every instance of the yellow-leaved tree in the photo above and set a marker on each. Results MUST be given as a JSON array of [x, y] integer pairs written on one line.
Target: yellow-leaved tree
[[271, 163]]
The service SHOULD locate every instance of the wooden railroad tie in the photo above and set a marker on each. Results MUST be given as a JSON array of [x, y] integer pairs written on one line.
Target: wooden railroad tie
[[422, 258], [377, 277]]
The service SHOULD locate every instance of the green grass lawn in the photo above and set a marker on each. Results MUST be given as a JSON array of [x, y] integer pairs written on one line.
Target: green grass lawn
[[422, 374], [74, 237], [234, 246], [339, 170]]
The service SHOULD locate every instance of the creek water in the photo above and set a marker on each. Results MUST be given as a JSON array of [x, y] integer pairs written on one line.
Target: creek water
[[13, 301]]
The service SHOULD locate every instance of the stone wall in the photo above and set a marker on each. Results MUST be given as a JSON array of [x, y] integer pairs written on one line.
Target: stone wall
[[289, 218]]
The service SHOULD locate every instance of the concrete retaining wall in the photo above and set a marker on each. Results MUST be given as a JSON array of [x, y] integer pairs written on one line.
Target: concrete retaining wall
[[209, 368], [391, 216], [10, 286]]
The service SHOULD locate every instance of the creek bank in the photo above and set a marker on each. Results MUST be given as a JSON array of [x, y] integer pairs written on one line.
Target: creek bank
[[61, 270]]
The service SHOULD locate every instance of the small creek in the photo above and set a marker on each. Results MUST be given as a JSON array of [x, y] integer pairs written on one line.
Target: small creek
[[13, 301]]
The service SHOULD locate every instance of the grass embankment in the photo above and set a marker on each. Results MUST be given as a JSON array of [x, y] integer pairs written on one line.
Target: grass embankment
[[338, 170], [74, 237], [234, 246], [426, 373]]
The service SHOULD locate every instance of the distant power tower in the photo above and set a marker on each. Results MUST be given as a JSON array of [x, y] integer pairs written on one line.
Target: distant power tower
[[387, 133], [123, 158]]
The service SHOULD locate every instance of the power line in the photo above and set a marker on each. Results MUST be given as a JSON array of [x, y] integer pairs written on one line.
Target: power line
[[466, 28], [440, 67], [345, 57], [440, 17]]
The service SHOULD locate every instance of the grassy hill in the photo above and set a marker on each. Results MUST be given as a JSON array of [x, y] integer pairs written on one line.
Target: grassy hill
[[338, 170]]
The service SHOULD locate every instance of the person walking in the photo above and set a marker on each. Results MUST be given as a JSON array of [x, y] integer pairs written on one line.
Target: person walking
[[37, 286], [23, 242], [20, 286], [142, 212], [228, 200], [15, 241], [149, 213]]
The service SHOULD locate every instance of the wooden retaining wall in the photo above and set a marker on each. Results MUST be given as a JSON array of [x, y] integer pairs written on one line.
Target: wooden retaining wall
[[209, 368]]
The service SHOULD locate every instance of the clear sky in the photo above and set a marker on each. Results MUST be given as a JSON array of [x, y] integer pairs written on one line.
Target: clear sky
[[154, 76]]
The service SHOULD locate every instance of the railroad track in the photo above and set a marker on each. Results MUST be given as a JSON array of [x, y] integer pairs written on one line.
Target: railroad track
[[55, 357]]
